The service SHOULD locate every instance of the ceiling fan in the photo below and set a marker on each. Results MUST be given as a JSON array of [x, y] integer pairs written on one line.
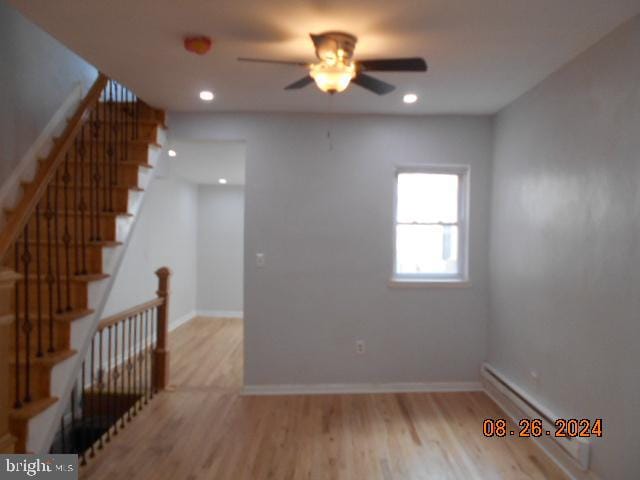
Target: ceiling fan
[[336, 68]]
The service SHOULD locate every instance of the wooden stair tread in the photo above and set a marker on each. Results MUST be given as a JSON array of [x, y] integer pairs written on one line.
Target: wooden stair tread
[[89, 277], [135, 188], [31, 409], [47, 360], [9, 211], [130, 142], [61, 317], [93, 243], [127, 163]]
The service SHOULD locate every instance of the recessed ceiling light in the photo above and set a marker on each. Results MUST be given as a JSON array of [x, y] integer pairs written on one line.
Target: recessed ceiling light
[[206, 95], [172, 153], [222, 181], [410, 98]]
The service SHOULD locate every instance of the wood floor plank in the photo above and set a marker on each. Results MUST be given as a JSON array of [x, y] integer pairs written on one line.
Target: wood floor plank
[[204, 429]]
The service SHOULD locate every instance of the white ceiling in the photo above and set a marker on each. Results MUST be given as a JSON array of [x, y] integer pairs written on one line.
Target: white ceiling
[[482, 53], [206, 162]]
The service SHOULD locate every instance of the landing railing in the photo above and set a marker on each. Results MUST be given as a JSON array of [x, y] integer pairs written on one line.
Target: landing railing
[[126, 365]]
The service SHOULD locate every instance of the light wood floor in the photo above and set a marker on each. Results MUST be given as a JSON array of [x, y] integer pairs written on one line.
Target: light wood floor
[[205, 430]]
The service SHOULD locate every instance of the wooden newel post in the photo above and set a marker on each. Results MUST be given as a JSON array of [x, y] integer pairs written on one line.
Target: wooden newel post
[[161, 377], [8, 280]]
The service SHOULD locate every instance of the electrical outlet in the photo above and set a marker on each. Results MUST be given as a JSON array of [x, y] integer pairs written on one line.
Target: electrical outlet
[[360, 347]]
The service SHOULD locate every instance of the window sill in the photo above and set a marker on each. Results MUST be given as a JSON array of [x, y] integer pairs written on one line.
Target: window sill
[[407, 283]]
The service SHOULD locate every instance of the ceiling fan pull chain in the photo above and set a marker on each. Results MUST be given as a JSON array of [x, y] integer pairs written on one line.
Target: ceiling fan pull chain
[[330, 120]]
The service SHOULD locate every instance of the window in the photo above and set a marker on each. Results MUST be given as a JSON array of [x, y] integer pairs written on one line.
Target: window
[[431, 224]]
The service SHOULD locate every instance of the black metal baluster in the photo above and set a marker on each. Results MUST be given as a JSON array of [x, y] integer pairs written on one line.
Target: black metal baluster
[[18, 400], [92, 159], [122, 374], [146, 357], [93, 399], [49, 214], [38, 283], [123, 125], [136, 113], [154, 320], [100, 408], [113, 144], [63, 434], [74, 446], [109, 395], [83, 203], [56, 221], [116, 395], [105, 155], [26, 260], [140, 362], [66, 178], [131, 116], [129, 369], [96, 175], [135, 364], [77, 186], [83, 424]]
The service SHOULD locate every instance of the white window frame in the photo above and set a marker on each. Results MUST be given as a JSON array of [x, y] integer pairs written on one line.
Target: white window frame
[[460, 279]]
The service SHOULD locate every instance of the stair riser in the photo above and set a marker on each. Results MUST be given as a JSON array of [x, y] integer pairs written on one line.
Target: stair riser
[[123, 110], [135, 152], [77, 291], [119, 131], [123, 175], [118, 198], [106, 228], [92, 261], [61, 336], [40, 381]]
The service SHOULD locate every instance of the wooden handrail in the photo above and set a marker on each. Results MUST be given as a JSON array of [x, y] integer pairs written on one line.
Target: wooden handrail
[[119, 317], [44, 176]]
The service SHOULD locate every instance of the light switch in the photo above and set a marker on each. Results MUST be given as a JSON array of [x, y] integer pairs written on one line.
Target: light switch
[[260, 259]]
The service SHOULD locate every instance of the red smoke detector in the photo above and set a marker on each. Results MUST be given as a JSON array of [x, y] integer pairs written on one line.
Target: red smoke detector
[[198, 45]]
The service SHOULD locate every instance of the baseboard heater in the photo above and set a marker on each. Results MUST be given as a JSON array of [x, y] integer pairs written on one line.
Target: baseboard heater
[[576, 448]]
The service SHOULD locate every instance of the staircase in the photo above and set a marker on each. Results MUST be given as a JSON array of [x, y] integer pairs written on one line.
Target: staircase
[[59, 251]]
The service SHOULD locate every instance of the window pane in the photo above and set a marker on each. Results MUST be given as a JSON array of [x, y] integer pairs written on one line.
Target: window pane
[[427, 198], [426, 249]]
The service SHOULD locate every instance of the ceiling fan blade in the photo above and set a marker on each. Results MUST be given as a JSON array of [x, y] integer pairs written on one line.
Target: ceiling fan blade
[[278, 62], [415, 64], [373, 84], [303, 82]]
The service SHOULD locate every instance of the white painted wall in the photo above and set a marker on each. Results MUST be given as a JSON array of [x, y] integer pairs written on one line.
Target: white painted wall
[[164, 236], [323, 216], [220, 249], [37, 74], [565, 251]]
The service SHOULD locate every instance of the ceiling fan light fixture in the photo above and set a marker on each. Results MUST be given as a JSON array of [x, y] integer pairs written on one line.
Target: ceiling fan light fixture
[[333, 78]]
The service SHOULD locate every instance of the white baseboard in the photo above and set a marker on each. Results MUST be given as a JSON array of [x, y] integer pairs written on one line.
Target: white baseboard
[[220, 313], [556, 453], [182, 320], [355, 388], [26, 168]]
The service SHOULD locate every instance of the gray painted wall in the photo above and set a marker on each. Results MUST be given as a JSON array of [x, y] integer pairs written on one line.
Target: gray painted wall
[[323, 215], [165, 235], [37, 74], [565, 251], [220, 249]]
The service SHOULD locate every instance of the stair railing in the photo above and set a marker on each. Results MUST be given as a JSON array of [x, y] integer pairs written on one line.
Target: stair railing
[[46, 239], [126, 365]]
